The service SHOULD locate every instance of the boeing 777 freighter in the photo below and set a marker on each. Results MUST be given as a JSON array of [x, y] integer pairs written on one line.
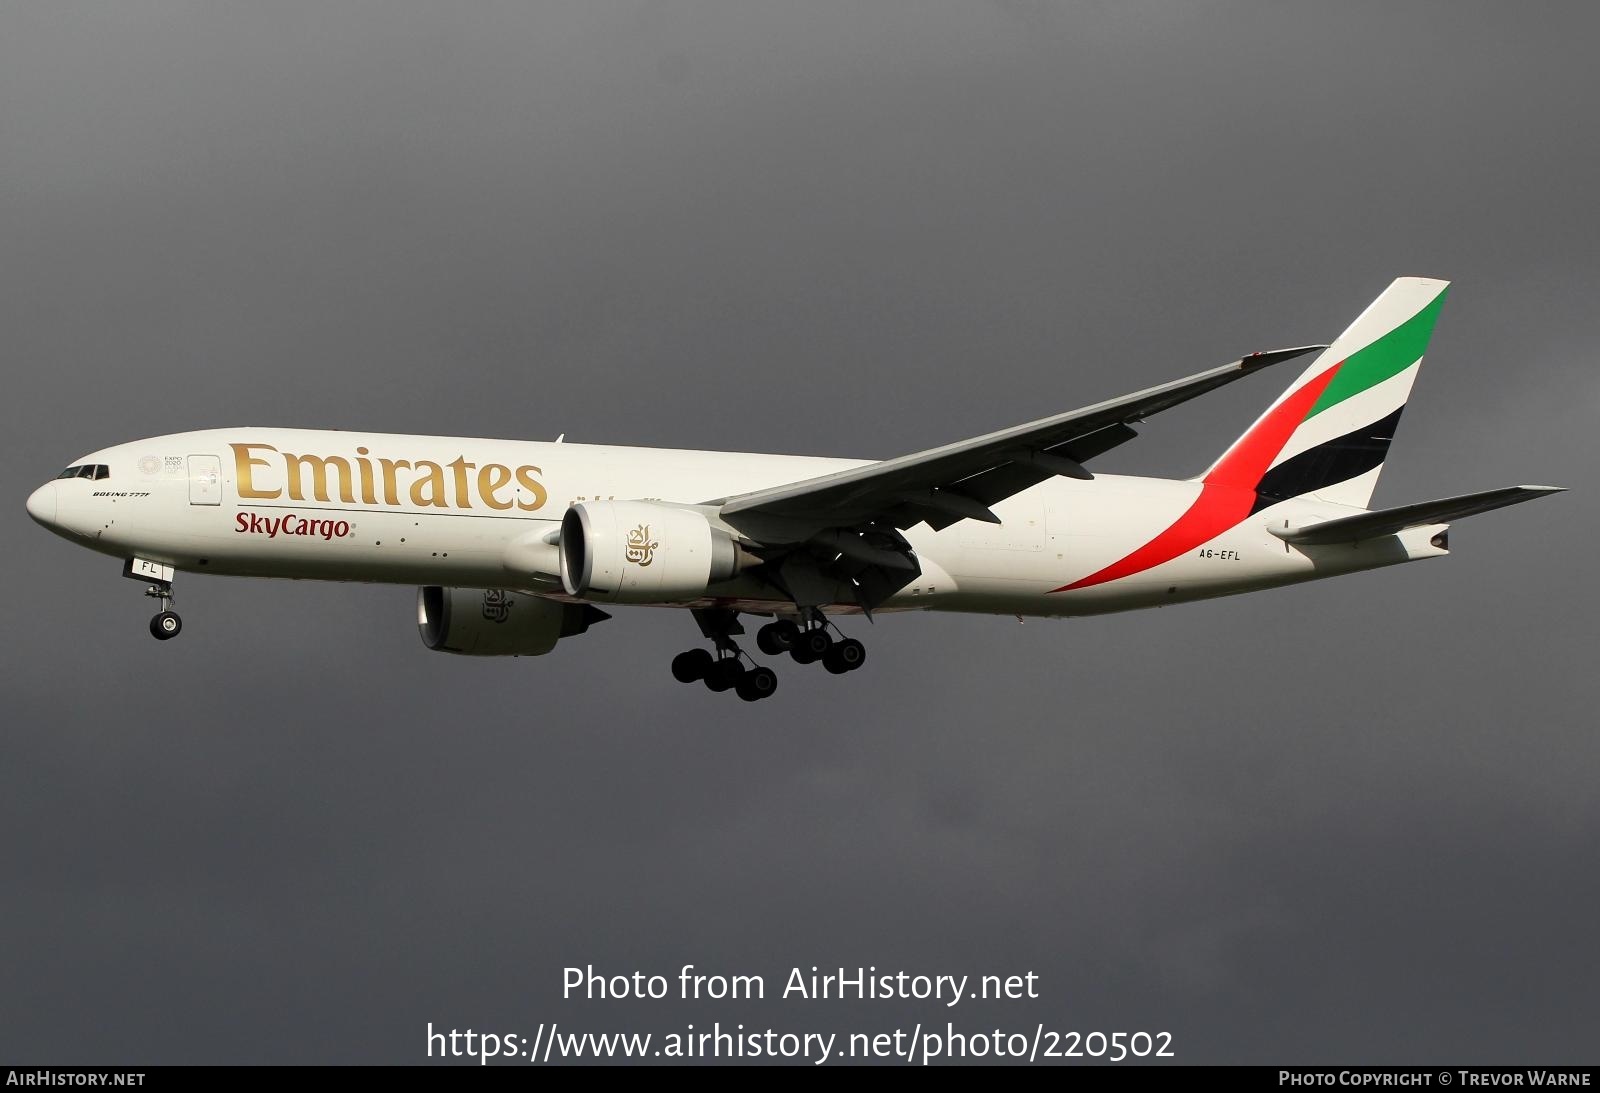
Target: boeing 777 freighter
[[514, 543]]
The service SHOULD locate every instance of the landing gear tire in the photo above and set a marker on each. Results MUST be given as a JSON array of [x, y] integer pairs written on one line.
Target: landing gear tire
[[811, 646], [757, 683], [845, 656], [777, 637], [725, 674], [692, 666], [166, 625]]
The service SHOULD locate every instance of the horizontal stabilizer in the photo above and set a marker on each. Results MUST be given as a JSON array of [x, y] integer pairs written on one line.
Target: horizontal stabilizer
[[1370, 525]]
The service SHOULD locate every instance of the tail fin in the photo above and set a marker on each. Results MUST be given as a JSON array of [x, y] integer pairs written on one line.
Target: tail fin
[[1329, 433]]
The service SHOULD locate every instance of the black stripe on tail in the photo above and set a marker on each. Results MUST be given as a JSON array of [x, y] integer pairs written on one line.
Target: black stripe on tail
[[1329, 463]]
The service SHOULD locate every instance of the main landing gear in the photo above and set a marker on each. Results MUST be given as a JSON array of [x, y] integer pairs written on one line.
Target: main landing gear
[[812, 644], [725, 671], [726, 668]]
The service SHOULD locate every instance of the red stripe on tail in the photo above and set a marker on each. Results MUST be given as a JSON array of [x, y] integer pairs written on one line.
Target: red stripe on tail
[[1228, 491]]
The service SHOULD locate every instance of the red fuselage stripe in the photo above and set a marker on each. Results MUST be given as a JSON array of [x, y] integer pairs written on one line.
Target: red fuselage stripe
[[1228, 491]]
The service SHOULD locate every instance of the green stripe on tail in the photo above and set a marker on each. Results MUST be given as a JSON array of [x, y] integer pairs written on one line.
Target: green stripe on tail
[[1388, 356]]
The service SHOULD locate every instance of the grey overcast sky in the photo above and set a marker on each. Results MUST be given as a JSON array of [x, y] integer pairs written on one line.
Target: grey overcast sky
[[1349, 821]]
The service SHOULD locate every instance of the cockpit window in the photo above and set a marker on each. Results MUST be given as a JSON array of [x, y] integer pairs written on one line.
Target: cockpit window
[[95, 471]]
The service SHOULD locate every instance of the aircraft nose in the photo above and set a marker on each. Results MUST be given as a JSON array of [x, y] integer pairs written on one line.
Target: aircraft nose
[[42, 504]]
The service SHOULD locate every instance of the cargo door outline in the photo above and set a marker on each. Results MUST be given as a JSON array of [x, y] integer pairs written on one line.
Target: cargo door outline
[[205, 480]]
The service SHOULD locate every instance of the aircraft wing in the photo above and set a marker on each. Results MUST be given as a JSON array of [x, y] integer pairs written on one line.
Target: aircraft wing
[[959, 481]]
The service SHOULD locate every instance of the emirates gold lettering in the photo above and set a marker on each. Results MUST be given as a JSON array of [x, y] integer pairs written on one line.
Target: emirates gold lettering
[[265, 473], [318, 467], [368, 496], [492, 478], [460, 466], [243, 462], [535, 488], [429, 489], [390, 467]]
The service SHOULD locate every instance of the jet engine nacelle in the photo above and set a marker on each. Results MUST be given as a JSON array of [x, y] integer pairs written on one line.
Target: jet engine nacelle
[[492, 622], [640, 552]]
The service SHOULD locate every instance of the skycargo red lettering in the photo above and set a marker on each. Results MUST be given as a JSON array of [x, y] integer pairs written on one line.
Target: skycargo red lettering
[[250, 523]]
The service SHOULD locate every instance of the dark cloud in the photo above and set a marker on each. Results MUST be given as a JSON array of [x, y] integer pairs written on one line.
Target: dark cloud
[[1345, 821]]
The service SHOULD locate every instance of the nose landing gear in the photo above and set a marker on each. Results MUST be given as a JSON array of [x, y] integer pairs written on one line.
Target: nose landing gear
[[166, 624]]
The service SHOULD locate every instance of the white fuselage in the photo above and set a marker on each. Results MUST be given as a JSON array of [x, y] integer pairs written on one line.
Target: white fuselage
[[476, 513]]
